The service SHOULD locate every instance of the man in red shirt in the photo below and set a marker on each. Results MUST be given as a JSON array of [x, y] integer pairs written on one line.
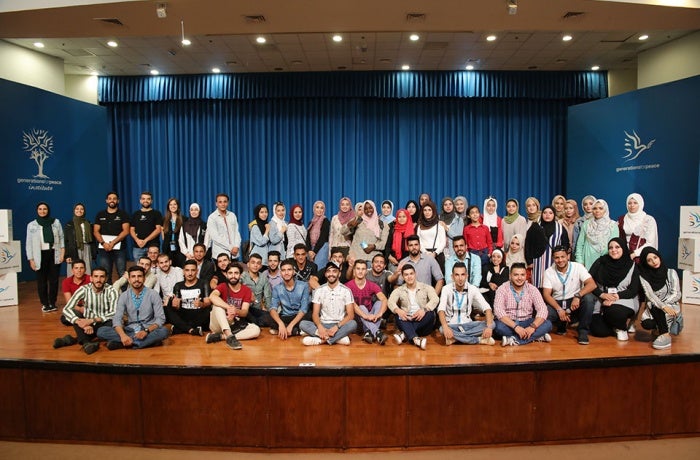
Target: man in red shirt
[[71, 284]]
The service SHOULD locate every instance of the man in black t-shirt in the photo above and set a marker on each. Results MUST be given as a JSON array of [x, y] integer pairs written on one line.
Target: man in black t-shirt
[[190, 307], [146, 226], [110, 231]]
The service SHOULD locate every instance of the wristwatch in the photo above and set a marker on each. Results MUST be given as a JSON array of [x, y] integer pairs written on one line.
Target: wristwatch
[[577, 296]]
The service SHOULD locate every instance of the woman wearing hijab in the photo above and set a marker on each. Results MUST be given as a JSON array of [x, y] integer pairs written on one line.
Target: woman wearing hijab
[[79, 240], [279, 214], [595, 234], [263, 234], [424, 198], [516, 250], [451, 222], [399, 230], [495, 274], [317, 235], [513, 223], [535, 240], [554, 235], [369, 234], [192, 232], [387, 212], [433, 237], [617, 287], [45, 251], [172, 224], [345, 214], [493, 221], [296, 231], [570, 218], [637, 227], [558, 203], [413, 209], [663, 293], [587, 207]]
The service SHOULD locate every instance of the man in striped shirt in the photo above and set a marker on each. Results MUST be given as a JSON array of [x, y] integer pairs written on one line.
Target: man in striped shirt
[[521, 314], [99, 302]]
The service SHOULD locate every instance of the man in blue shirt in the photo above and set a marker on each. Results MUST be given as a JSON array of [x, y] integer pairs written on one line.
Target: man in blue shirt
[[290, 303]]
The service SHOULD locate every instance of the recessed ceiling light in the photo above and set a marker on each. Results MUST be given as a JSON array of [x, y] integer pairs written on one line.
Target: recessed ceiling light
[[261, 40], [94, 73], [414, 37], [643, 37], [470, 67], [595, 67], [154, 72], [337, 38], [567, 38], [491, 38], [405, 67], [112, 44], [38, 44], [186, 42], [216, 70]]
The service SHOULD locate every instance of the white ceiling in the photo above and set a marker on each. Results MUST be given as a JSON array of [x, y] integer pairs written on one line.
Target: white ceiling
[[375, 35]]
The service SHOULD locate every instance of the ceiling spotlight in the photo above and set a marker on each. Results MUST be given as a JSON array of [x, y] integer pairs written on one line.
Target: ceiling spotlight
[[261, 40], [184, 41], [112, 44], [512, 6], [491, 38], [595, 68], [470, 67], [567, 38], [38, 44], [94, 73], [414, 37], [154, 72], [643, 37], [337, 38], [216, 70], [405, 67]]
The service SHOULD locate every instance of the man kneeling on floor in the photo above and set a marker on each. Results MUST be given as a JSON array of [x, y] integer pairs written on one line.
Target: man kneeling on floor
[[230, 303], [333, 312], [457, 299], [98, 302], [145, 316]]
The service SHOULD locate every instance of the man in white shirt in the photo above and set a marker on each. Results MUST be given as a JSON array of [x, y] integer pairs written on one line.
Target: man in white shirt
[[167, 276], [222, 229], [566, 289]]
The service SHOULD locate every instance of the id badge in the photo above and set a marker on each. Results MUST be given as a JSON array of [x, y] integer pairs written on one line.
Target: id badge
[[172, 246]]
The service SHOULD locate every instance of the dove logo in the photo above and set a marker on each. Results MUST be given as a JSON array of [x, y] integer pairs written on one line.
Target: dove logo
[[695, 284], [6, 256], [3, 289], [685, 252], [694, 219], [634, 146]]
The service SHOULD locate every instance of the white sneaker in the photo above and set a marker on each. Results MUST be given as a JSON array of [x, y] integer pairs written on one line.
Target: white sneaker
[[631, 329], [486, 341], [420, 342], [311, 340], [274, 331], [344, 341], [399, 338], [545, 338], [509, 341], [622, 335]]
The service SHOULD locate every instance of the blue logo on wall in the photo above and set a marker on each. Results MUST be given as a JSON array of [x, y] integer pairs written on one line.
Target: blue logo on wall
[[39, 145], [634, 146], [694, 218], [6, 256]]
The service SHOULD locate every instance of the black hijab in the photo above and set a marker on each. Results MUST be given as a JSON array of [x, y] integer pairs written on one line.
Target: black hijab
[[258, 221], [610, 272], [548, 227], [655, 276]]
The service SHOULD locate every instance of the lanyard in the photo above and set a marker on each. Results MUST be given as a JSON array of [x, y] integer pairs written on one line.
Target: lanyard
[[564, 279], [459, 299]]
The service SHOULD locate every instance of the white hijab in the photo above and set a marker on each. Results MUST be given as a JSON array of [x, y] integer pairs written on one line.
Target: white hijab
[[633, 222]]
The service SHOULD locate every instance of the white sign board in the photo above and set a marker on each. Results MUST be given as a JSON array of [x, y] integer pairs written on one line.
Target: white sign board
[[690, 222], [8, 290], [689, 254], [691, 287], [5, 225], [10, 257]]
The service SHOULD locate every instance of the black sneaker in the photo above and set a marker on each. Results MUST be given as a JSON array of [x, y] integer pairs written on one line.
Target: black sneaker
[[381, 338], [48, 308], [561, 328], [296, 331], [91, 347], [197, 331], [213, 337], [65, 341], [233, 343], [583, 338], [368, 337], [114, 345]]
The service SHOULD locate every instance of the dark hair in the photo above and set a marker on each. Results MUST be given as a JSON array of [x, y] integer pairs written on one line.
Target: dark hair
[[234, 264], [255, 255], [300, 246], [145, 258], [223, 195], [224, 255], [200, 245], [361, 262], [189, 262], [407, 267], [518, 265], [458, 238], [459, 265], [98, 269], [274, 253], [337, 249], [290, 262], [379, 255], [146, 192], [469, 209], [78, 261], [163, 254], [112, 193], [559, 248], [412, 238], [136, 268]]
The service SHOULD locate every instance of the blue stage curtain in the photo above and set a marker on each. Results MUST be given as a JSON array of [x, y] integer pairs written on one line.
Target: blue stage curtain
[[528, 85]]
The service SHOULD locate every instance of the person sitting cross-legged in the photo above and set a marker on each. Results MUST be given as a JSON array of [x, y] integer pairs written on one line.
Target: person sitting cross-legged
[[189, 309]]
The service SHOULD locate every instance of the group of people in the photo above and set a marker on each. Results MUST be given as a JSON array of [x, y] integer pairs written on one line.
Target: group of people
[[522, 275]]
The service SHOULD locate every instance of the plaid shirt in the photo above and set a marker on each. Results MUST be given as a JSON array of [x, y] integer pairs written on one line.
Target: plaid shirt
[[531, 301]]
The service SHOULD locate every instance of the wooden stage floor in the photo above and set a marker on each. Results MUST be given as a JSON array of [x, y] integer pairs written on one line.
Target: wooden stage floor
[[27, 334]]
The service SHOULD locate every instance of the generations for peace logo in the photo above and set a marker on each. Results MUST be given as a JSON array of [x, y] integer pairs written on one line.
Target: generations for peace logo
[[695, 284], [40, 147], [634, 147], [6, 255], [694, 219]]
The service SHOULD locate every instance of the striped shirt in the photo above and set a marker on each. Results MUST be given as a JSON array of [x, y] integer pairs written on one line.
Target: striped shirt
[[97, 304], [528, 301]]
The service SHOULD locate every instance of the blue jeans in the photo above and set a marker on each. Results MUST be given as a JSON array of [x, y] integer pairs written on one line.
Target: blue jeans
[[153, 338], [322, 257], [502, 330], [373, 328], [138, 252], [420, 328], [107, 259], [345, 330], [468, 333], [583, 314]]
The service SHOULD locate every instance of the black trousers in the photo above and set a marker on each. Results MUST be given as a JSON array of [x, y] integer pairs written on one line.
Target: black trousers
[[184, 319], [47, 278], [611, 318], [84, 338]]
